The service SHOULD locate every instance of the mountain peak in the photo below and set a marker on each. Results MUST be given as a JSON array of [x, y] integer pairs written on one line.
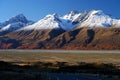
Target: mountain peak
[[97, 18], [73, 12], [14, 23], [71, 15], [96, 12], [18, 18], [55, 15]]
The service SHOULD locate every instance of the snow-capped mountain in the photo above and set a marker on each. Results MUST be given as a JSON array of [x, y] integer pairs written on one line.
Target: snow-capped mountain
[[55, 21], [48, 22], [75, 16], [72, 20], [96, 18], [14, 23]]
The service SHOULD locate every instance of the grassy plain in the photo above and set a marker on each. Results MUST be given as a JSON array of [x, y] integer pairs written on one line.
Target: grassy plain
[[105, 65], [71, 58]]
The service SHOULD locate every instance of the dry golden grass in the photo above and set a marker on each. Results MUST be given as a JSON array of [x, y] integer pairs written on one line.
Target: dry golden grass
[[72, 58], [37, 61]]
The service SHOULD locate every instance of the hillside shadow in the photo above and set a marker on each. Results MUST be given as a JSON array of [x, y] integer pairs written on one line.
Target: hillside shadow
[[90, 34], [54, 33], [73, 34], [64, 39]]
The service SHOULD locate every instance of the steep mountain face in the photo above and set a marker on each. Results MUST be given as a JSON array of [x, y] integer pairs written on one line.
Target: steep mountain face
[[87, 39], [14, 23], [34, 39], [77, 39], [86, 30]]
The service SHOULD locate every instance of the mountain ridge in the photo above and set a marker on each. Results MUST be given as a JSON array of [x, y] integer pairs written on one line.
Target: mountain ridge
[[88, 30], [93, 18], [74, 18]]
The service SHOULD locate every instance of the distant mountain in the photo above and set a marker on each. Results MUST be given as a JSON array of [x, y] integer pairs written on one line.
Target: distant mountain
[[14, 23], [86, 30]]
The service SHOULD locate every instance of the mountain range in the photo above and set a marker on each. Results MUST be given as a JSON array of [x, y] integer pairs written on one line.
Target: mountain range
[[86, 30]]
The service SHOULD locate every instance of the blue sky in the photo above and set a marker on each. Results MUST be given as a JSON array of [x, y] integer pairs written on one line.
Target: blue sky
[[37, 9]]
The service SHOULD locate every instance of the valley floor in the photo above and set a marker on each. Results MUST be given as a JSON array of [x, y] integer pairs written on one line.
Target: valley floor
[[103, 64], [70, 56]]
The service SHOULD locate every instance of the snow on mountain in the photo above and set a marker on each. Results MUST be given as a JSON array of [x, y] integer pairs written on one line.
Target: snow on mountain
[[55, 21], [96, 18], [117, 23], [12, 26], [74, 19], [71, 20], [48, 22], [15, 23], [71, 16]]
